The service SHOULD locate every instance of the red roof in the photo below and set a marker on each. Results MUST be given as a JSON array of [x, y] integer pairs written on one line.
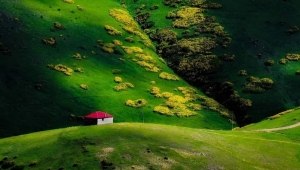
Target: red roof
[[98, 115]]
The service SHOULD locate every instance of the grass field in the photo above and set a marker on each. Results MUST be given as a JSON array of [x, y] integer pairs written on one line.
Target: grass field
[[152, 146]]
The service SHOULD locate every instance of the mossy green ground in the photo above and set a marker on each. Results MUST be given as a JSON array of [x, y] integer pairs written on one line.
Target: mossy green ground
[[25, 109], [152, 146]]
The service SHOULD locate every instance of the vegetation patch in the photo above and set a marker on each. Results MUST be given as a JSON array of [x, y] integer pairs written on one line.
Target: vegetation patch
[[269, 62], [293, 57], [168, 76], [257, 85], [4, 49], [242, 73], [132, 49], [186, 17], [112, 31], [118, 79], [68, 1], [78, 56], [49, 41], [84, 86], [61, 68], [123, 86], [283, 61], [59, 26], [136, 103]]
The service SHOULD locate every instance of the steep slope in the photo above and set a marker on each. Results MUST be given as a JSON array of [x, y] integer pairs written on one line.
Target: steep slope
[[150, 146], [61, 60]]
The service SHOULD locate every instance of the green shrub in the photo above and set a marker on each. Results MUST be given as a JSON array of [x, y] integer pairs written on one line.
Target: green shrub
[[269, 62], [242, 73]]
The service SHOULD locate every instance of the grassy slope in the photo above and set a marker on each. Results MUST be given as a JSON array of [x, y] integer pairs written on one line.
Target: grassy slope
[[287, 118], [60, 95], [255, 29], [144, 146]]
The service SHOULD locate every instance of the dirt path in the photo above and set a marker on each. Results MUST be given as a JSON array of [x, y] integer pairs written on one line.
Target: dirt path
[[280, 128]]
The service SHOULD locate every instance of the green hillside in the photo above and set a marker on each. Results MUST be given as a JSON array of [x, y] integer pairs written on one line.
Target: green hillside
[[60, 61], [151, 146]]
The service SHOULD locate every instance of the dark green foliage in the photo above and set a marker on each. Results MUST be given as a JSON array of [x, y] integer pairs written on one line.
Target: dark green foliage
[[297, 72], [227, 57], [292, 30], [148, 25], [154, 7], [34, 163], [142, 18], [8, 164], [269, 62], [164, 35], [171, 2], [18, 167], [256, 85], [107, 165]]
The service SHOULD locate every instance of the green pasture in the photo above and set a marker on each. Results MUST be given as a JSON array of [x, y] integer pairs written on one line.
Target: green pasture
[[150, 146]]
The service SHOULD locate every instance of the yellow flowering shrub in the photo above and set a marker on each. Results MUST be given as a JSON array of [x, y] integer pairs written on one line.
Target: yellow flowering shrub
[[123, 86], [118, 79], [194, 106], [152, 82], [155, 90], [148, 66], [133, 49], [68, 1], [123, 17], [61, 68], [175, 100], [163, 110], [167, 94], [293, 57], [215, 106], [145, 57], [117, 42], [84, 86], [80, 70], [78, 56], [167, 76], [186, 17], [136, 103], [112, 31], [49, 41], [79, 7]]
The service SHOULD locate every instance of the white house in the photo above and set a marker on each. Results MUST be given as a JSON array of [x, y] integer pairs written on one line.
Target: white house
[[98, 118]]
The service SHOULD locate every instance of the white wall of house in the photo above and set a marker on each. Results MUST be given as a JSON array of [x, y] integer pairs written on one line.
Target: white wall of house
[[105, 121]]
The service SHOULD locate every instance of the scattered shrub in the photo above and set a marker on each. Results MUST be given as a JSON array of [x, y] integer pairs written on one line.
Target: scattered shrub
[[297, 72], [49, 41], [68, 1], [252, 88], [123, 86], [257, 85], [130, 50], [242, 73], [84, 86], [293, 57], [117, 42], [118, 79], [186, 17], [163, 110], [80, 8], [167, 94], [78, 56], [129, 39], [292, 30], [269, 62], [79, 70], [116, 71], [168, 76], [154, 7], [215, 106], [155, 90], [152, 82], [283, 61], [136, 103], [61, 68], [148, 66], [227, 57], [58, 25], [266, 83], [112, 31]]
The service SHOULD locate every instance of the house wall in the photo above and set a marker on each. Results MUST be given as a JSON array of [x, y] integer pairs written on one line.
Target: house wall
[[105, 121]]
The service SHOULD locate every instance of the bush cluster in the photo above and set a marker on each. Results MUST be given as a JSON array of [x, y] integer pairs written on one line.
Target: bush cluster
[[61, 68], [112, 31], [293, 57], [123, 86], [215, 106], [186, 17], [136, 103], [242, 73], [132, 49], [257, 85], [58, 25], [148, 66], [78, 56], [49, 41], [118, 79], [168, 76], [84, 86]]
